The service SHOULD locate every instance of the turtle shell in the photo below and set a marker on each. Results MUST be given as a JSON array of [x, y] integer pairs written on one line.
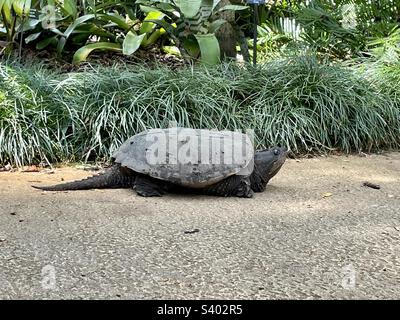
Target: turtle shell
[[194, 158]]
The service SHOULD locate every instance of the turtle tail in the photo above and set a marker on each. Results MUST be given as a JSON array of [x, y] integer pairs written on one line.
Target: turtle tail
[[113, 177]]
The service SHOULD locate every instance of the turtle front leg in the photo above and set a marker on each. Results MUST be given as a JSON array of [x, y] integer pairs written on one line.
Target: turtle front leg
[[234, 186], [149, 187], [244, 190]]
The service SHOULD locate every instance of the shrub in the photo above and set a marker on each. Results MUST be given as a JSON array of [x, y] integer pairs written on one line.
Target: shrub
[[33, 125], [296, 102], [312, 106]]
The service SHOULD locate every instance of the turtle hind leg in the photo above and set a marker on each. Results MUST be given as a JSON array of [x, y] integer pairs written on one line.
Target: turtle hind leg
[[149, 187], [234, 186]]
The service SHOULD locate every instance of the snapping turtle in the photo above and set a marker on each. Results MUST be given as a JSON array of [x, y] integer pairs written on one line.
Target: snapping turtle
[[157, 161]]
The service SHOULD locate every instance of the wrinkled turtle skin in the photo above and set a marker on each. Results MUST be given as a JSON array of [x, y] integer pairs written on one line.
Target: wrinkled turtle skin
[[182, 160]]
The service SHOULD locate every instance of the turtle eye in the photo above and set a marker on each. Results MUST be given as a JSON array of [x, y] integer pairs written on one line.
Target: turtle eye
[[276, 152]]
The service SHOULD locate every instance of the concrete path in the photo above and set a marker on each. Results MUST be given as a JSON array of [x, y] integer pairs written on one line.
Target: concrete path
[[315, 233]]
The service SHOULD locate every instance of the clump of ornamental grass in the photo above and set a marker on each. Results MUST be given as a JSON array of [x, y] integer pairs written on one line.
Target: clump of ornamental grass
[[309, 106], [296, 102]]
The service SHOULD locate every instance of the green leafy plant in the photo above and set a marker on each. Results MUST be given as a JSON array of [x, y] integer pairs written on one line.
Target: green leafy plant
[[324, 31], [338, 29], [386, 49], [13, 15], [120, 26], [100, 25], [192, 25], [109, 25], [272, 41]]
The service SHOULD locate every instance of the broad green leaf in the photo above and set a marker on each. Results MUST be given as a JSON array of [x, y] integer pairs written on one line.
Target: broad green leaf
[[118, 20], [131, 43], [7, 3], [233, 7], [189, 8], [93, 29], [148, 27], [147, 9], [153, 37], [21, 7], [31, 23], [148, 6], [6, 10], [170, 28], [130, 12], [71, 28], [44, 43], [56, 31], [61, 43], [209, 48], [215, 25], [76, 23], [32, 37], [70, 7], [171, 50], [82, 54], [192, 47], [80, 38]]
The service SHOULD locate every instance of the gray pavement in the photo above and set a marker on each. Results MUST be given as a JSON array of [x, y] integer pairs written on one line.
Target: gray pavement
[[315, 233]]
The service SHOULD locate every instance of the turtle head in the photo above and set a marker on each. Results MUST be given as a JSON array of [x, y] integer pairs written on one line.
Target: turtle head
[[267, 163]]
